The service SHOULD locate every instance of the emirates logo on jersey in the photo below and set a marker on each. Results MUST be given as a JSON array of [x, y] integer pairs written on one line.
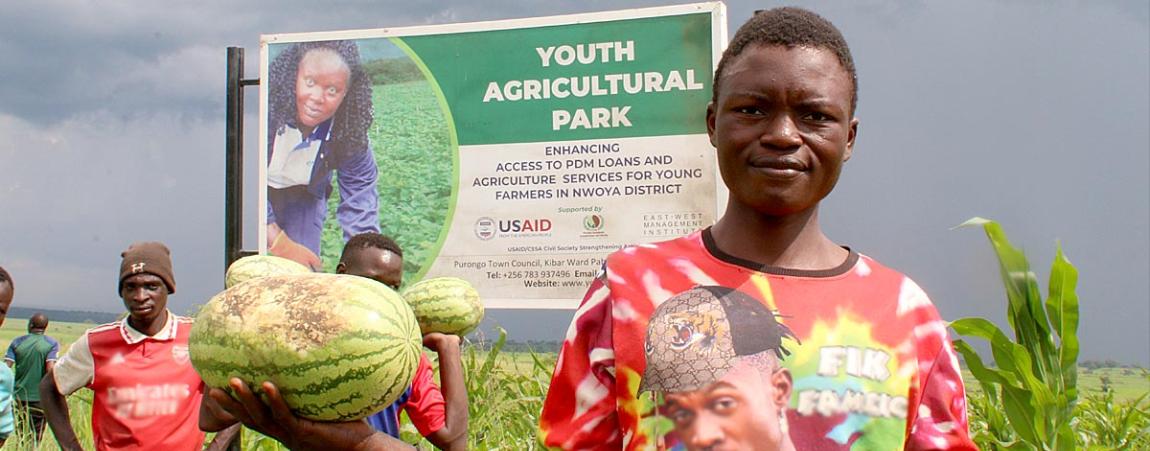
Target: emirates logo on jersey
[[145, 401], [180, 354]]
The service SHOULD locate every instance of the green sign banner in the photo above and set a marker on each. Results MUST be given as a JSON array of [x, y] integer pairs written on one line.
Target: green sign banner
[[514, 154]]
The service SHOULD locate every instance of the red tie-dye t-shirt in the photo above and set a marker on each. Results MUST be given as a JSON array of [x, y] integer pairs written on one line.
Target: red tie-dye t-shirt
[[872, 365]]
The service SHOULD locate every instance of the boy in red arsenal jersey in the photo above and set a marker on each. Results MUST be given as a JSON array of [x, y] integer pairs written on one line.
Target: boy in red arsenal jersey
[[146, 394], [871, 366]]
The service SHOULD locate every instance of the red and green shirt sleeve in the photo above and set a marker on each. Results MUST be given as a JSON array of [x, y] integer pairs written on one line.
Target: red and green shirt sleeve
[[425, 407], [580, 409]]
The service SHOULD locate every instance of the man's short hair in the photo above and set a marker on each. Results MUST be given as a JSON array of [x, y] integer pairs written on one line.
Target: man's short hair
[[789, 27], [6, 278], [369, 240], [38, 321]]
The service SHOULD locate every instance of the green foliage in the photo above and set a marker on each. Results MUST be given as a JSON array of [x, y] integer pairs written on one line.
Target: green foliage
[[1035, 378], [506, 396], [506, 391], [412, 145], [1103, 423], [390, 71], [80, 406]]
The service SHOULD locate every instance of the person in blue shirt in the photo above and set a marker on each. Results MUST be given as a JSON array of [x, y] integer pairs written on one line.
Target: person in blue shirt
[[7, 380], [32, 356], [319, 112]]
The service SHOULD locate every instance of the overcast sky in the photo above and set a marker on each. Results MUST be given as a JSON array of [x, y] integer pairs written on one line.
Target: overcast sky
[[1034, 113]]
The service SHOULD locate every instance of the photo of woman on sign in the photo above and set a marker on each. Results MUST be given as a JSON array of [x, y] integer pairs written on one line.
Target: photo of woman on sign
[[319, 112]]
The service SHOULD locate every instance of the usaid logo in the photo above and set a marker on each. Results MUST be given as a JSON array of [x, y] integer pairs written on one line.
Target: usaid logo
[[485, 228], [524, 225]]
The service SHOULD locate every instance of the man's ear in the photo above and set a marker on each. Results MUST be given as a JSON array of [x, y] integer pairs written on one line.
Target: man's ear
[[711, 122], [341, 268], [851, 135], [781, 380]]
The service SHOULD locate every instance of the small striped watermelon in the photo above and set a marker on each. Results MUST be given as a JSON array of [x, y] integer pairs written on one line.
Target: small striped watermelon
[[448, 305], [254, 266], [339, 347]]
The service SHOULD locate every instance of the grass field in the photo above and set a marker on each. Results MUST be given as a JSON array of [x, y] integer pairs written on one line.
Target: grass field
[[412, 145], [506, 390]]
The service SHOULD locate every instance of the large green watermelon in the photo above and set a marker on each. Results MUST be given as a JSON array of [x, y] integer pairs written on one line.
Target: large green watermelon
[[448, 305], [254, 266], [338, 347]]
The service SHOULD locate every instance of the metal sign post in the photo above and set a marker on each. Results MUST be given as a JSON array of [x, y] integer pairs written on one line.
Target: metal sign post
[[234, 172]]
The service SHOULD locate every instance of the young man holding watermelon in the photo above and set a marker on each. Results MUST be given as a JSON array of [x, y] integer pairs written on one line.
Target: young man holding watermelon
[[872, 366], [439, 415], [146, 393]]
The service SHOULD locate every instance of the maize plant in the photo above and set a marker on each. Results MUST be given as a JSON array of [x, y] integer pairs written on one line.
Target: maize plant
[[1035, 375]]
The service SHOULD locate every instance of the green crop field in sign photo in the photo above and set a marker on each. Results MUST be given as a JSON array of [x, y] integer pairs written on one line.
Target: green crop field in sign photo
[[412, 145]]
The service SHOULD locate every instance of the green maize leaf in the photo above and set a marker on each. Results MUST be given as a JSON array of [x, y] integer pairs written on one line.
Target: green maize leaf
[[989, 378], [1066, 438], [1003, 357], [1014, 272], [492, 355], [978, 327], [1036, 378], [1037, 387], [1062, 307], [1024, 300], [1038, 395], [1019, 410]]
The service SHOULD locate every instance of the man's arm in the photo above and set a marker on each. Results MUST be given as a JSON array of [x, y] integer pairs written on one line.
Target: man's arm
[[10, 356], [579, 410], [453, 434], [224, 438], [936, 412], [7, 390], [276, 420], [55, 407], [53, 355], [358, 210]]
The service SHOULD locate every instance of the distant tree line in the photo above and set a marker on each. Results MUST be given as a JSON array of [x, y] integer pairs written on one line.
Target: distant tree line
[[395, 70], [536, 346], [67, 316], [1108, 363]]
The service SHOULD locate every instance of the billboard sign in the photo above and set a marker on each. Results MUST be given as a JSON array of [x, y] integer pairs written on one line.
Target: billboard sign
[[514, 154]]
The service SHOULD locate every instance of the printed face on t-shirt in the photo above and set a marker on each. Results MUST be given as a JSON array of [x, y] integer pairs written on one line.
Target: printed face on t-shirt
[[743, 410], [321, 85]]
